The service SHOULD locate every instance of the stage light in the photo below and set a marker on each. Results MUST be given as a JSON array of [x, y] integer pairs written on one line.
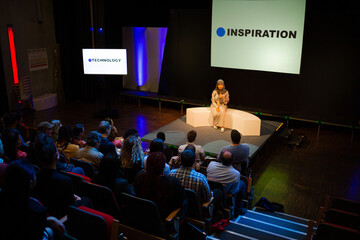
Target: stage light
[[101, 30], [162, 39], [140, 55], [13, 54], [91, 29]]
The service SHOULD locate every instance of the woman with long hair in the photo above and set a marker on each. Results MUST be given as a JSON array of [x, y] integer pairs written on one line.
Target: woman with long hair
[[219, 101], [64, 143], [11, 144], [131, 157]]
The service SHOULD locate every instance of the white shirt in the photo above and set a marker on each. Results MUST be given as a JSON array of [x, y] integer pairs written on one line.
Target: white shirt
[[198, 150], [226, 175]]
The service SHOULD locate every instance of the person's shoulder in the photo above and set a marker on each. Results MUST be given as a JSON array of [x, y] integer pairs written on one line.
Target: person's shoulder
[[61, 177], [244, 145], [173, 171], [212, 164], [139, 177], [36, 206], [182, 147], [197, 174], [198, 147]]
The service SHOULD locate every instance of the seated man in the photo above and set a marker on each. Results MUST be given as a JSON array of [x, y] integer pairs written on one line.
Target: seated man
[[191, 179], [239, 152], [52, 189], [106, 146], [90, 153], [167, 151], [199, 151], [222, 172]]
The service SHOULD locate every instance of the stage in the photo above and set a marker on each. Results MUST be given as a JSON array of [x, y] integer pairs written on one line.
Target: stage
[[212, 140]]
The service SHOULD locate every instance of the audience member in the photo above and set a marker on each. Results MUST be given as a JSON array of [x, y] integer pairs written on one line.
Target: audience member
[[2, 170], [53, 189], [175, 162], [106, 146], [166, 192], [10, 122], [199, 151], [191, 179], [157, 145], [109, 176], [79, 134], [223, 172], [11, 144], [113, 136], [131, 157], [90, 152], [45, 128], [57, 125], [167, 151], [17, 206], [1, 147], [64, 144], [130, 132], [239, 152]]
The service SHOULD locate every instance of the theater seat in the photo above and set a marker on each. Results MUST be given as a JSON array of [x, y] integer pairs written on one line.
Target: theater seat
[[199, 215], [143, 215], [87, 167], [328, 231], [86, 223], [102, 197]]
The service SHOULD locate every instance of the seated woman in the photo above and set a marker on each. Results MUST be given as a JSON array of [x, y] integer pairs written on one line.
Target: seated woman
[[131, 158], [166, 192], [16, 205], [64, 144], [57, 125], [219, 101], [79, 132], [11, 143]]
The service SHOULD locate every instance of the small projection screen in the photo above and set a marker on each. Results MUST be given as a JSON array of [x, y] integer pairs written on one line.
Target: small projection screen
[[105, 61], [264, 35]]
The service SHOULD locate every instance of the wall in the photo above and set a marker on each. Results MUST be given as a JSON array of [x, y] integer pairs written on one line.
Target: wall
[[28, 34], [325, 90]]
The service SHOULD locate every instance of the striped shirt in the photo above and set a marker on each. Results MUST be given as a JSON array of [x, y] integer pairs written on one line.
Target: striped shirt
[[193, 180]]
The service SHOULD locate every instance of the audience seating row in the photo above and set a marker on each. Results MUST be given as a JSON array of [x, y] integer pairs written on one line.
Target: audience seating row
[[338, 219], [140, 216]]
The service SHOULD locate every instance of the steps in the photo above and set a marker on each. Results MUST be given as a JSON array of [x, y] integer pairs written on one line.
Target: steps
[[257, 224]]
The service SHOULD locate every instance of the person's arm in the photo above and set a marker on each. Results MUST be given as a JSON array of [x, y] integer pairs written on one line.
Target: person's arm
[[226, 98], [214, 98], [207, 190]]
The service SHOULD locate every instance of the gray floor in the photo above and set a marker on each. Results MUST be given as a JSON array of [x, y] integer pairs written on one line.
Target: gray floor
[[210, 139]]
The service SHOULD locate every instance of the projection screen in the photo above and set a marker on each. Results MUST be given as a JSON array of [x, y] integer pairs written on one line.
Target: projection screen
[[264, 35]]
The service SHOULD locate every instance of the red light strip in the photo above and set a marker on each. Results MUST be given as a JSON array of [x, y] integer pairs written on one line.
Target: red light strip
[[13, 55]]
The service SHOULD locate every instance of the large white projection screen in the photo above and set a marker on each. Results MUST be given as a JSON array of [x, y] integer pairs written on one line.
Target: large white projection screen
[[263, 35], [105, 61]]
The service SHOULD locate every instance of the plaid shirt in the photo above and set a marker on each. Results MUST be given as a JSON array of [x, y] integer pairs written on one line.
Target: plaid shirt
[[193, 180]]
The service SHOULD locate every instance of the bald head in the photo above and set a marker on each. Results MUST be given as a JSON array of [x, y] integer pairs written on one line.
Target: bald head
[[226, 157]]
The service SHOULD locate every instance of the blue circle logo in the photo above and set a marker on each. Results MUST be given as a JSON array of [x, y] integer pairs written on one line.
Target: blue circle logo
[[89, 59], [220, 32]]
